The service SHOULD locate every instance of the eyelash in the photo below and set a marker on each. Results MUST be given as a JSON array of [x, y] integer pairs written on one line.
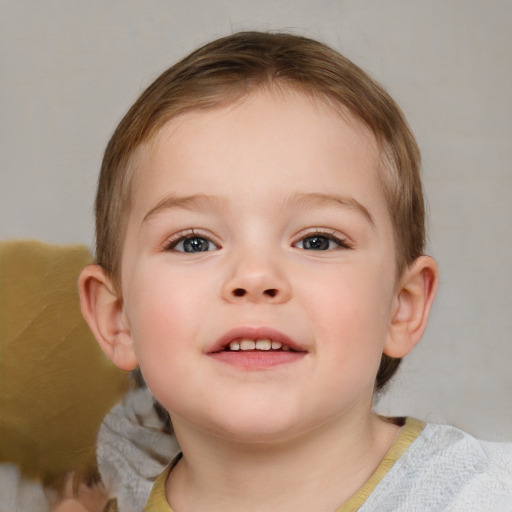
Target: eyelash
[[173, 242], [329, 235]]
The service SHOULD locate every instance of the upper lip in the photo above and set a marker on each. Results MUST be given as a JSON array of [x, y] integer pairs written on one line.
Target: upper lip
[[254, 333]]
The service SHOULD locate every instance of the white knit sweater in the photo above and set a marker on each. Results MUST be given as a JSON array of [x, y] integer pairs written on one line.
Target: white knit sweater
[[446, 470]]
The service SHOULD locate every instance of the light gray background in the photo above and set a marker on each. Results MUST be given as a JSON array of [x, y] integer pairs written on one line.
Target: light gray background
[[70, 69]]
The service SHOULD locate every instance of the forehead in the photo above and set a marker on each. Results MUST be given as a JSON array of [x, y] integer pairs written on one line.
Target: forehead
[[288, 132]]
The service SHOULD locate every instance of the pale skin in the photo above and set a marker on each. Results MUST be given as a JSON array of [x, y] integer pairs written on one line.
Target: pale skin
[[282, 197], [83, 499]]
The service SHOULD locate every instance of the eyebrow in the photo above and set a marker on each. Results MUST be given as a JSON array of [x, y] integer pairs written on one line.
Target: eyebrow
[[314, 200], [301, 201], [193, 202]]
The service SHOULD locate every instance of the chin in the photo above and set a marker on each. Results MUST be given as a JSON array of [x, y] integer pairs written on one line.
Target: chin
[[256, 429]]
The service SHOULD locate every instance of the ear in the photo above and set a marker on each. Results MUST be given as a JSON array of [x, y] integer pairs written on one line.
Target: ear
[[411, 307], [102, 309]]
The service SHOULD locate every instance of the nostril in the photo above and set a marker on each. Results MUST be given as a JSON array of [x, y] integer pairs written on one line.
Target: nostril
[[272, 292], [238, 292]]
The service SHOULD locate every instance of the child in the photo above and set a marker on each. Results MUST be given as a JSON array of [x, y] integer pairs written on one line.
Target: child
[[260, 238]]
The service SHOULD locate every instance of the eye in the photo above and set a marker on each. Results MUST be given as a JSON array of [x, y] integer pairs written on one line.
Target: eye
[[192, 244], [320, 242]]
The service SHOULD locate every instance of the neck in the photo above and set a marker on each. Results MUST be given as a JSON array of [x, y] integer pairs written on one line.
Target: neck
[[337, 458]]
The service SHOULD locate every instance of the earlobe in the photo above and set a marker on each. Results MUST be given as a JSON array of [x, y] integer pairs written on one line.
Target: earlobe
[[412, 306], [102, 309]]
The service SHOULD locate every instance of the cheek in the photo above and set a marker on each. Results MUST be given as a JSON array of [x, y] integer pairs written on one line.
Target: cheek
[[357, 298], [352, 314], [161, 334], [161, 316]]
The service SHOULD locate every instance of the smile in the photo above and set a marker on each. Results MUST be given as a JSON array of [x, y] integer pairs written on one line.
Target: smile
[[256, 348], [259, 344], [248, 338]]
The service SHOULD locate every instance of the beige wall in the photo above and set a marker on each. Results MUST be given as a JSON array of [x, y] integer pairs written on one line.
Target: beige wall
[[69, 70]]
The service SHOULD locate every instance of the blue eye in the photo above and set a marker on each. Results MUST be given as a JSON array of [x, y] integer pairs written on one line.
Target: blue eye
[[193, 244], [319, 242]]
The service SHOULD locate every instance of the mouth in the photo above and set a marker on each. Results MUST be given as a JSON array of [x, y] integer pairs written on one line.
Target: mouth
[[256, 348]]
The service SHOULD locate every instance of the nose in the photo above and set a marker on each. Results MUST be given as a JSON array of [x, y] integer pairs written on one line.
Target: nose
[[256, 280]]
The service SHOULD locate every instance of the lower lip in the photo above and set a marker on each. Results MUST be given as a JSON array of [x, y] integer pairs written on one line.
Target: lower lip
[[257, 360]]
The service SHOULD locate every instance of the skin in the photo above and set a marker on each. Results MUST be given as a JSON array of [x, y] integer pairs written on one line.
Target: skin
[[83, 499], [271, 177]]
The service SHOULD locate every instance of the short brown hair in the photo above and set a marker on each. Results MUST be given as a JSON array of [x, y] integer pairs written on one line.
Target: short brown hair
[[229, 68]]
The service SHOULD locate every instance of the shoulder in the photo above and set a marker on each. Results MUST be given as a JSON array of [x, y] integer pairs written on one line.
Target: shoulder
[[447, 469], [446, 443], [483, 469]]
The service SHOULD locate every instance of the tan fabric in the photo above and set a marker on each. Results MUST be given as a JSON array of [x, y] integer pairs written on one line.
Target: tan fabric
[[55, 383], [157, 501]]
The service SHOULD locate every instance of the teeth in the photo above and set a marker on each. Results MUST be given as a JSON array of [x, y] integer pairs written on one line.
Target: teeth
[[262, 344], [247, 345]]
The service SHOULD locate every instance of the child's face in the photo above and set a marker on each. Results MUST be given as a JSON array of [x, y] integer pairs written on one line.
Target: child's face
[[264, 220]]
